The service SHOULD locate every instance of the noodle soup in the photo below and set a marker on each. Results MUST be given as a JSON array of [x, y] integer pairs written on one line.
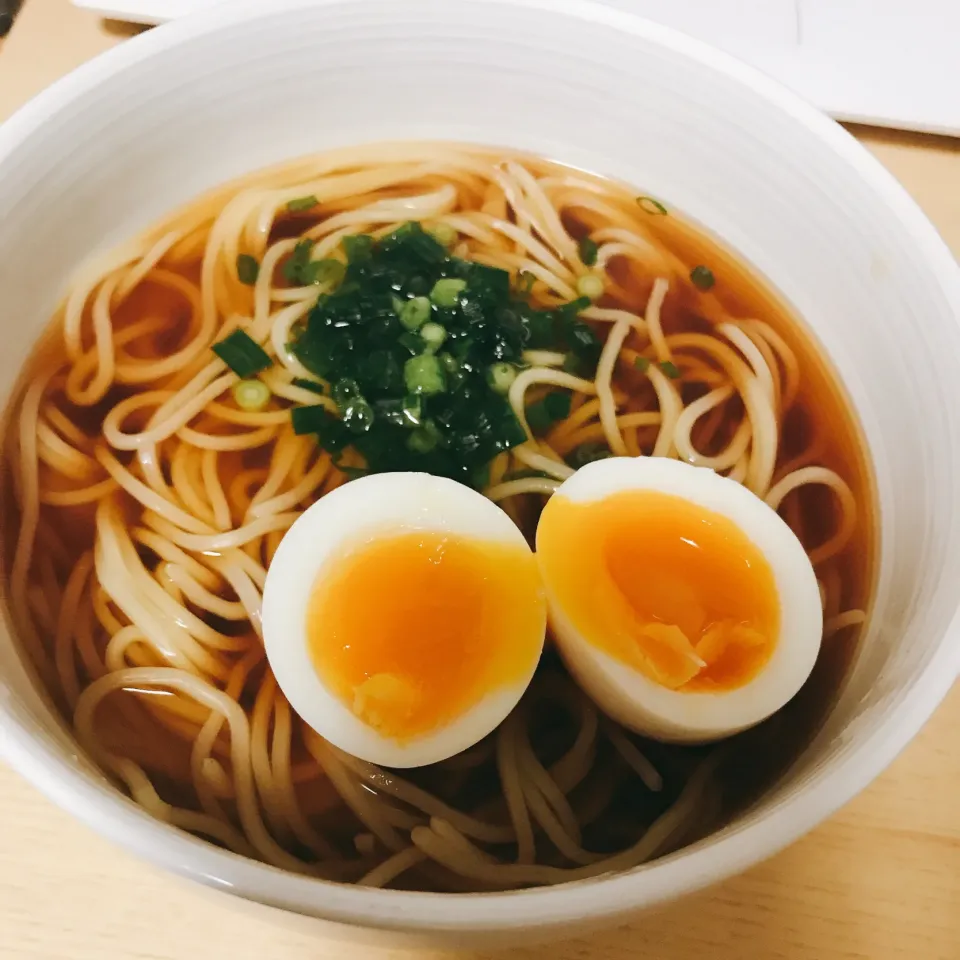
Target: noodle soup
[[157, 460]]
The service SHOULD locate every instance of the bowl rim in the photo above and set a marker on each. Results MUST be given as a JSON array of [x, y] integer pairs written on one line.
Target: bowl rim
[[722, 855]]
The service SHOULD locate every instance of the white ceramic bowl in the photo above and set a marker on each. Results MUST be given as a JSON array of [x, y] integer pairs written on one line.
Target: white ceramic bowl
[[116, 144]]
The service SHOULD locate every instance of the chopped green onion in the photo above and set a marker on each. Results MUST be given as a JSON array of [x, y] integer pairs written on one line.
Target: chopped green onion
[[358, 415], [642, 364], [400, 413], [251, 395], [445, 235], [412, 410], [500, 376], [310, 385], [345, 390], [424, 438], [297, 269], [424, 375], [702, 277], [446, 292], [670, 369], [329, 273], [247, 269], [358, 247], [450, 363], [590, 286], [654, 207], [415, 313], [242, 354], [433, 335], [588, 251], [440, 365], [411, 240], [420, 441], [306, 272], [298, 204]]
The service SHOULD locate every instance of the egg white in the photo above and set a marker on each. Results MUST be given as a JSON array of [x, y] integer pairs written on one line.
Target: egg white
[[387, 505], [648, 708]]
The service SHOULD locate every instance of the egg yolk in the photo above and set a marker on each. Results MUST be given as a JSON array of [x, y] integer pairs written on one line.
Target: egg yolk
[[411, 631], [665, 586]]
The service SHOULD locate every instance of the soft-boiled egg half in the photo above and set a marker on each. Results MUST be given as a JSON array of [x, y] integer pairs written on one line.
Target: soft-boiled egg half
[[403, 617], [684, 606]]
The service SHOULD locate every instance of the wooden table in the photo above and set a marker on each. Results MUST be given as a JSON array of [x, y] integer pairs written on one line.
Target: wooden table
[[879, 881]]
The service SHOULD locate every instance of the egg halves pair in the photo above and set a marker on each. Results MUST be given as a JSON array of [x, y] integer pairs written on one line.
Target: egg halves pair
[[404, 614]]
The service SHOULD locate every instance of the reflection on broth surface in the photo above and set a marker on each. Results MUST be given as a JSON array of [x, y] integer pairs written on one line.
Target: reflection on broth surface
[[151, 490]]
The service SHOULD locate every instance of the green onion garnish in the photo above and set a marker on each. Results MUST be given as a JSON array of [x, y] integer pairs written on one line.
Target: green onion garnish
[[433, 335], [500, 376], [590, 286], [358, 247], [642, 364], [446, 292], [358, 415], [242, 354], [424, 438], [345, 390], [415, 313], [654, 207], [328, 273], [248, 269], [412, 409], [251, 395], [445, 235], [299, 204], [670, 369], [588, 251], [424, 375], [702, 277], [406, 412], [297, 269], [450, 363]]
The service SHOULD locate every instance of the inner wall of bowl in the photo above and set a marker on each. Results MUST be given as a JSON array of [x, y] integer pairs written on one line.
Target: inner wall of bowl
[[578, 86]]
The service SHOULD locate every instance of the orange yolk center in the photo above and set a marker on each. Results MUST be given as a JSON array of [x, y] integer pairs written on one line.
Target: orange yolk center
[[412, 630], [663, 585]]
